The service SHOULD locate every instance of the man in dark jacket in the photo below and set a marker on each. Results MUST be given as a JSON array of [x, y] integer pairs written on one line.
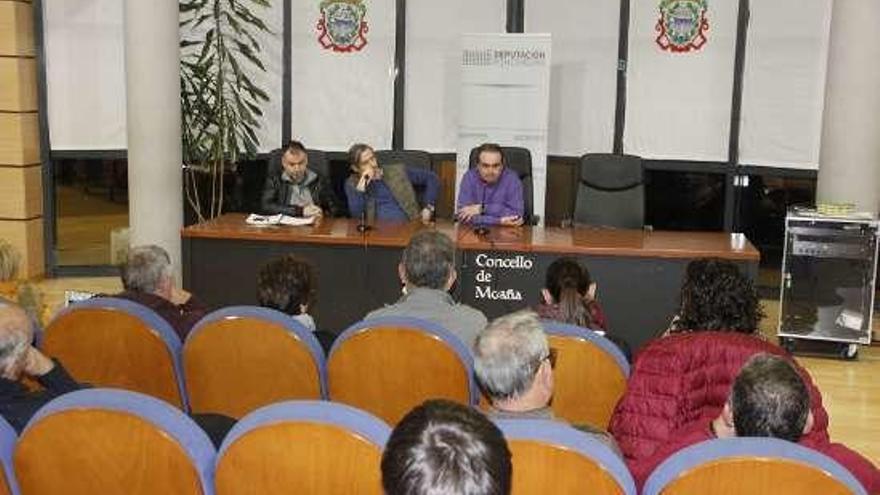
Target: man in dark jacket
[[292, 188], [148, 279], [19, 359]]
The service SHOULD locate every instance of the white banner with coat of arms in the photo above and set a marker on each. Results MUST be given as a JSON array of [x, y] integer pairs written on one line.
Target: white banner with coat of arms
[[680, 79], [342, 72]]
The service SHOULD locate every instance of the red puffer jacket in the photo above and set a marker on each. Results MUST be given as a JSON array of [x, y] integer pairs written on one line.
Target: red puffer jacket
[[683, 378]]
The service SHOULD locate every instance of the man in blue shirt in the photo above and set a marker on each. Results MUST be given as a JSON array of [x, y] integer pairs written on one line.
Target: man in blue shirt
[[490, 193], [386, 193]]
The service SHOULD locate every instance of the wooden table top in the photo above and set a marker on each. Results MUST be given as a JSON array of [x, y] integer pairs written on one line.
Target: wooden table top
[[580, 240]]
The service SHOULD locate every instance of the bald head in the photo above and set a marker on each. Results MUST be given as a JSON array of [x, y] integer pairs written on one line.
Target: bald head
[[15, 338]]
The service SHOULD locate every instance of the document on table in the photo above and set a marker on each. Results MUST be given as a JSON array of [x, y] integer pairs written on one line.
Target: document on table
[[279, 219]]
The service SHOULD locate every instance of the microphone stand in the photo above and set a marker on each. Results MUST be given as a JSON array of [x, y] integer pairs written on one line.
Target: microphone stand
[[480, 229], [364, 224]]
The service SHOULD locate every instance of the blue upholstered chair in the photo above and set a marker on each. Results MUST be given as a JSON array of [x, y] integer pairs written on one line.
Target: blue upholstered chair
[[389, 365], [303, 447], [748, 466], [113, 442], [110, 342], [589, 377], [552, 457], [240, 358], [8, 437]]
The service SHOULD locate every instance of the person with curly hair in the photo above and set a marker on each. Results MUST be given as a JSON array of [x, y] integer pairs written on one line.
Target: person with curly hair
[[685, 375], [715, 295], [23, 293], [289, 284]]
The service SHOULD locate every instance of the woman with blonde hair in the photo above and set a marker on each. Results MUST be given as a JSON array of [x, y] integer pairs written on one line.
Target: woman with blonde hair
[[17, 291]]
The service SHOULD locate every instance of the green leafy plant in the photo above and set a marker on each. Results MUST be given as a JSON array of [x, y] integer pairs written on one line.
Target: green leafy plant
[[219, 101]]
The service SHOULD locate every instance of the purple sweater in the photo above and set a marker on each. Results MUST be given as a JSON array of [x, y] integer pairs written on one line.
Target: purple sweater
[[501, 199]]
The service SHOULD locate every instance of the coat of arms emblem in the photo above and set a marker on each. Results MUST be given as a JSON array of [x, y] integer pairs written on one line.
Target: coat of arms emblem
[[682, 25], [342, 27]]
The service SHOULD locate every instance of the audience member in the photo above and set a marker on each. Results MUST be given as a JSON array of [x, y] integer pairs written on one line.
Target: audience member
[[490, 193], [685, 377], [19, 359], [513, 364], [386, 192], [16, 291], [427, 272], [148, 279], [768, 399], [443, 447], [294, 189], [569, 296], [288, 284]]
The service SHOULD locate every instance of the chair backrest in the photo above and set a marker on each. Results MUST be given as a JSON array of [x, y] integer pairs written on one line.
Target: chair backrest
[[610, 191], [8, 437], [552, 457], [241, 358], [113, 442], [111, 342], [589, 377], [750, 465], [520, 161], [411, 158], [389, 365], [303, 447]]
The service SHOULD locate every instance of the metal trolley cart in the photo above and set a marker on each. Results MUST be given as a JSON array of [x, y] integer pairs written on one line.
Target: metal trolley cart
[[828, 275]]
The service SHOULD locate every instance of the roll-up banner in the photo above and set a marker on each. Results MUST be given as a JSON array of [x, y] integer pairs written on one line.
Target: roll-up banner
[[505, 98]]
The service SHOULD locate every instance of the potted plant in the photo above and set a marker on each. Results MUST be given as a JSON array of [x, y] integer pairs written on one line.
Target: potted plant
[[220, 103]]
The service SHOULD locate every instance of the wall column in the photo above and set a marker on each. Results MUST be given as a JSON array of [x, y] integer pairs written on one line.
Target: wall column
[[849, 170], [21, 189], [152, 84]]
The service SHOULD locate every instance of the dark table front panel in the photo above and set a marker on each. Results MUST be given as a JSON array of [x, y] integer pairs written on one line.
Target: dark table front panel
[[638, 272]]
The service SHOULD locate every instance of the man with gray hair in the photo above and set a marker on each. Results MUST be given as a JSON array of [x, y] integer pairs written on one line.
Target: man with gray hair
[[19, 359], [148, 279], [514, 363], [427, 272]]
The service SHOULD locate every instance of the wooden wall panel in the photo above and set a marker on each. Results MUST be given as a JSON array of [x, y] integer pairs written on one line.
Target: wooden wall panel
[[19, 139], [16, 28], [27, 237], [18, 84], [446, 202], [21, 192]]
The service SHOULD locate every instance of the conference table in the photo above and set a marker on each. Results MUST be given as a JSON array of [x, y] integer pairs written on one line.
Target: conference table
[[638, 272]]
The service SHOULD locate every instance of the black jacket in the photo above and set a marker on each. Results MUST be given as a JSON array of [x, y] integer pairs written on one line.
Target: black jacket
[[18, 404], [276, 194]]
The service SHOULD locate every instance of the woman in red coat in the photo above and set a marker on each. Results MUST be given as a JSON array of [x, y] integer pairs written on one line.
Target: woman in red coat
[[685, 376]]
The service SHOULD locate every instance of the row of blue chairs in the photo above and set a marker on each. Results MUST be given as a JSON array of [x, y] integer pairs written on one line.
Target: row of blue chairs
[[240, 358], [119, 442]]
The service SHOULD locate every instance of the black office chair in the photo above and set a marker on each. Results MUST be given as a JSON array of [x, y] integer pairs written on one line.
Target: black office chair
[[520, 161], [411, 158], [611, 191]]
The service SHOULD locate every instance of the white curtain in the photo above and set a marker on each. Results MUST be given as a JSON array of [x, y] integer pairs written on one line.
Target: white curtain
[[583, 79], [343, 97], [85, 69], [678, 104], [433, 75], [784, 83]]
